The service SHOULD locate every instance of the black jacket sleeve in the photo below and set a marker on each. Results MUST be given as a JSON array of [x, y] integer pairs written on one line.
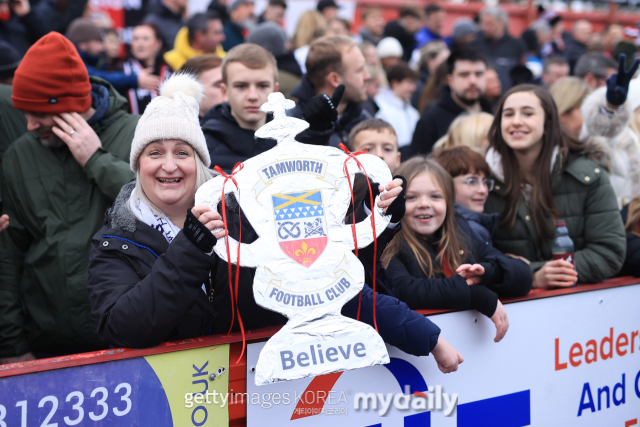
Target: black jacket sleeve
[[506, 276], [437, 293], [424, 137], [631, 266], [398, 325], [135, 311]]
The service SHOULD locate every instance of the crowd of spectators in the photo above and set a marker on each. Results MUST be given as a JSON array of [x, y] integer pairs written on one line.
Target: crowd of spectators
[[491, 138]]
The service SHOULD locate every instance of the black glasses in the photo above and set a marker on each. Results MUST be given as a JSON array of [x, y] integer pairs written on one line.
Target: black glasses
[[474, 183]]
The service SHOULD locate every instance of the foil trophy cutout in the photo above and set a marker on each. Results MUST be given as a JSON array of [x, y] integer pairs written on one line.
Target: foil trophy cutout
[[296, 197]]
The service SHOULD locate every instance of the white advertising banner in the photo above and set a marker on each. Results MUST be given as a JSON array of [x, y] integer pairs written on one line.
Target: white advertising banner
[[570, 360]]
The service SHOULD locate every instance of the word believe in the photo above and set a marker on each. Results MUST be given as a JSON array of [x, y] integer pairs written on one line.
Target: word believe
[[276, 169], [316, 355], [623, 344], [309, 300]]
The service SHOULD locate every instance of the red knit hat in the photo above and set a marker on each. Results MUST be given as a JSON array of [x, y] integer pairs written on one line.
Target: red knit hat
[[52, 78]]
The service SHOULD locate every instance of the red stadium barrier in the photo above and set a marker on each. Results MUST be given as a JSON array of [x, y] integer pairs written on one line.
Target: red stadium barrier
[[238, 372]]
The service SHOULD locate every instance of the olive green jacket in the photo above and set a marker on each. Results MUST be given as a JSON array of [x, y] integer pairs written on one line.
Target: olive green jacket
[[585, 199], [56, 206]]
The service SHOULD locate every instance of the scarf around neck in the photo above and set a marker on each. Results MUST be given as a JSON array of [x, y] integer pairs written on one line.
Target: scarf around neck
[[154, 219]]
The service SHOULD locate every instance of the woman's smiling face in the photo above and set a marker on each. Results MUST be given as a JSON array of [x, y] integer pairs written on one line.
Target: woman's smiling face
[[522, 121], [168, 174]]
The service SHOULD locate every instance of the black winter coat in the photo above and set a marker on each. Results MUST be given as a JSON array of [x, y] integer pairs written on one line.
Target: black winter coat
[[227, 142], [436, 119], [504, 277], [631, 266], [352, 115], [144, 291]]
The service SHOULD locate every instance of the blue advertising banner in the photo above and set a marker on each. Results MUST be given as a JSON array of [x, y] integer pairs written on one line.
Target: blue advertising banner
[[153, 391]]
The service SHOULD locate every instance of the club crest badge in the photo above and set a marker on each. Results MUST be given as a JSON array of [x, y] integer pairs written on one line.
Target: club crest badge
[[296, 198], [300, 224]]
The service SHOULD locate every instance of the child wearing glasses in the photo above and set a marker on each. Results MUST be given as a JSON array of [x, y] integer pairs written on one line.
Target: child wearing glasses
[[437, 262], [470, 173]]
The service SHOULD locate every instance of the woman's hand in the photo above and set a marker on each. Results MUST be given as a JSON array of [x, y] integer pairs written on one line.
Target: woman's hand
[[4, 222], [210, 219], [446, 356], [471, 273], [556, 273], [501, 321]]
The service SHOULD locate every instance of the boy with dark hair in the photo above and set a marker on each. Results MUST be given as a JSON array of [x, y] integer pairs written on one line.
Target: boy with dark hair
[[395, 104], [464, 93], [379, 138], [472, 182]]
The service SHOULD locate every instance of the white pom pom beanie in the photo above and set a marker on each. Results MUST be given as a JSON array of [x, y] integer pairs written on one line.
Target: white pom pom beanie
[[172, 115]]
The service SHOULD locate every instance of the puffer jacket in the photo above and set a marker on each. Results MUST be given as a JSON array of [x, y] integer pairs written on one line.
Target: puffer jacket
[[622, 143], [504, 277], [55, 206], [585, 199], [144, 291]]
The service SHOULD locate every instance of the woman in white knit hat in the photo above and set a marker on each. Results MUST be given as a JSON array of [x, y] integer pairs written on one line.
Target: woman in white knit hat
[[151, 263]]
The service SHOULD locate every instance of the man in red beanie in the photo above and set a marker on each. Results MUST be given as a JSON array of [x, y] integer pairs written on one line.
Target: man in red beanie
[[58, 180]]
